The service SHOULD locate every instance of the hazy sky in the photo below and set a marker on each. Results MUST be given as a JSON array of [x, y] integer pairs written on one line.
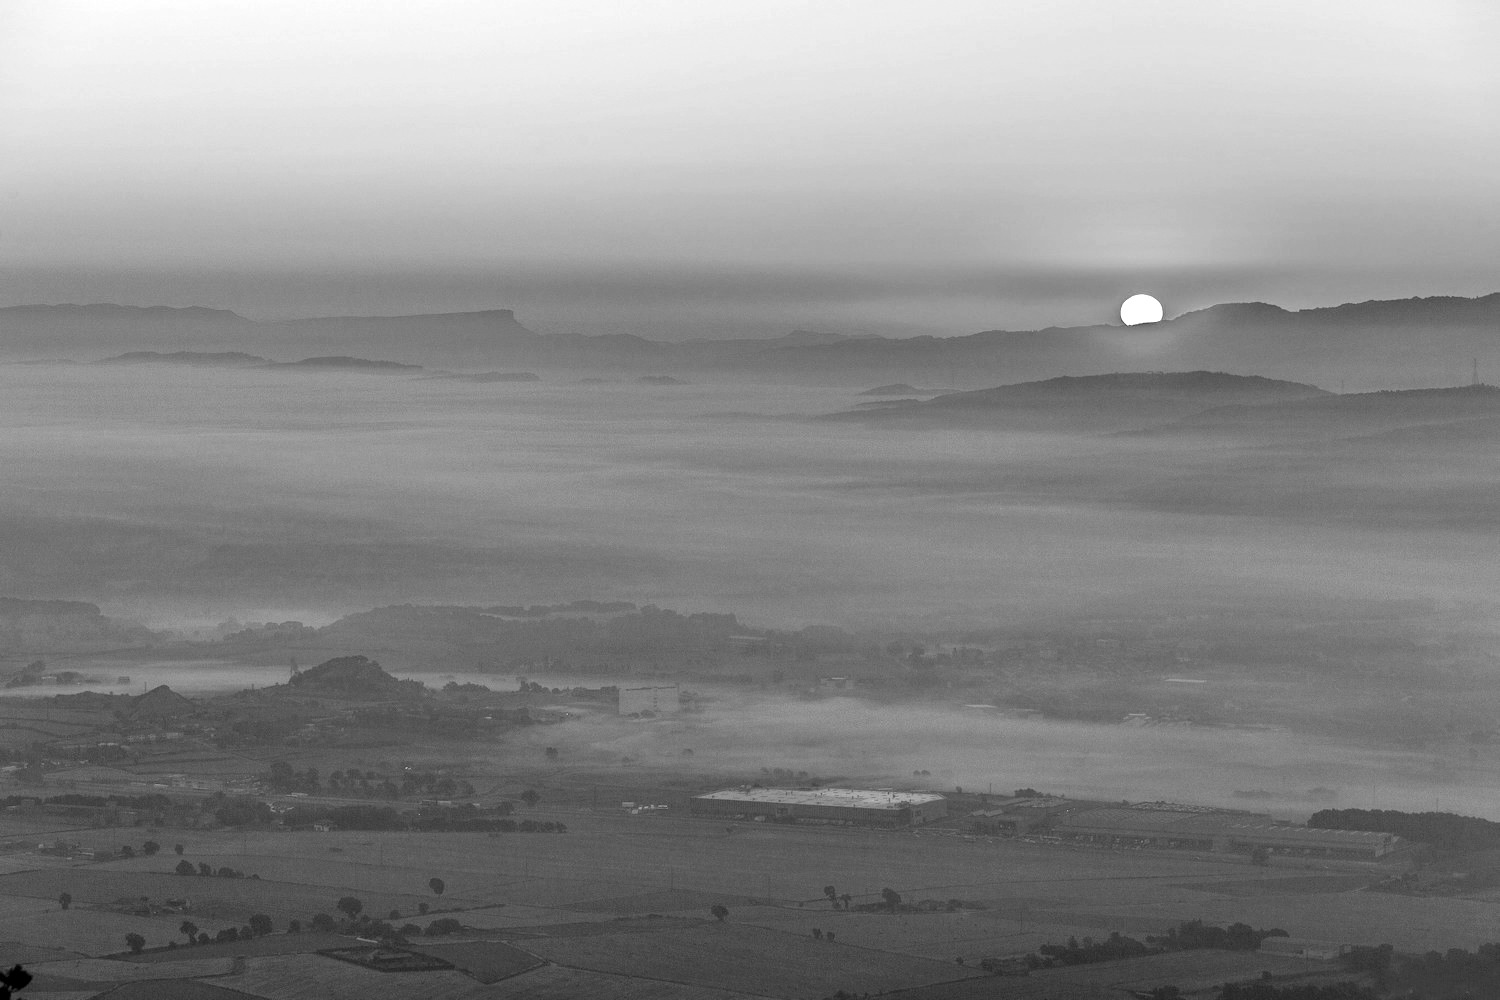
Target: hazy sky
[[684, 166]]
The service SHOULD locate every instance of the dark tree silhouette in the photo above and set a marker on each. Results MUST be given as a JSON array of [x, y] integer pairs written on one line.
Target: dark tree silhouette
[[150, 847], [260, 925], [65, 900], [185, 868], [892, 898], [190, 929], [832, 894], [350, 906], [530, 797], [436, 885], [13, 979], [178, 848], [720, 911], [135, 941]]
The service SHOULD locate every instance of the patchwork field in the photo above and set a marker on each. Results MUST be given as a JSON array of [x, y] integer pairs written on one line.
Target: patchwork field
[[754, 959], [583, 903]]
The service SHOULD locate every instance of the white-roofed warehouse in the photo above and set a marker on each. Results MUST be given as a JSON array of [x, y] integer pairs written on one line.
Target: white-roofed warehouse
[[836, 806]]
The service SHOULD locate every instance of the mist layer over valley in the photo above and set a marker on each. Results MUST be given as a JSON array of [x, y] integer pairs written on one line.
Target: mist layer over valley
[[188, 495], [1320, 563]]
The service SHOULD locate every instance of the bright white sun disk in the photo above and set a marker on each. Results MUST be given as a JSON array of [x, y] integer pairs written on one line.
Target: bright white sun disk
[[1140, 308]]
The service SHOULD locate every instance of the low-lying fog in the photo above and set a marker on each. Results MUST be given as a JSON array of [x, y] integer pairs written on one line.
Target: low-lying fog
[[1291, 774], [186, 496]]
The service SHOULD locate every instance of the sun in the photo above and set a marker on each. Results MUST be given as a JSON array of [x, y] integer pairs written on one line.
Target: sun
[[1139, 309]]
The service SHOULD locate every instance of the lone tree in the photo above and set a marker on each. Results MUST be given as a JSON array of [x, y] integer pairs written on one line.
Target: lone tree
[[65, 900], [135, 941], [190, 929], [530, 797], [847, 899], [720, 911], [260, 924], [892, 898], [150, 847], [832, 894], [12, 981], [350, 907], [178, 848], [436, 885], [186, 868]]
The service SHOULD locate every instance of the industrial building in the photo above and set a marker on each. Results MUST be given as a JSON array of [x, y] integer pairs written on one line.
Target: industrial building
[[1157, 825], [656, 700], [833, 806]]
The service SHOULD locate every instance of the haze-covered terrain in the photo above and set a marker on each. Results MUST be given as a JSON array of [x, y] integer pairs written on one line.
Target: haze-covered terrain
[[184, 493], [1252, 594], [1402, 343]]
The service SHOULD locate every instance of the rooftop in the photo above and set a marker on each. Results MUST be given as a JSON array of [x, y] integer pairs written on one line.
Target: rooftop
[[849, 798]]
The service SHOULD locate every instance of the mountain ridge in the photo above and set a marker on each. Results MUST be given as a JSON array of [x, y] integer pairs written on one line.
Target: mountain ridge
[[1412, 341]]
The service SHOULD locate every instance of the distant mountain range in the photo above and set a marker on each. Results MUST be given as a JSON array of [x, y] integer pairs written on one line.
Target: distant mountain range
[[1236, 409], [1097, 403], [1377, 344]]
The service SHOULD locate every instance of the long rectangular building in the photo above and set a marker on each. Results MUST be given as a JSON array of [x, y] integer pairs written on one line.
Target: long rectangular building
[[1213, 830], [830, 806]]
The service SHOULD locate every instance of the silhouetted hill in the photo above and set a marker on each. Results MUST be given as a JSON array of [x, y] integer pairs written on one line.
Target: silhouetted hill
[[1087, 403], [213, 359], [347, 363], [1347, 415], [486, 377], [1419, 341], [90, 330], [52, 626], [901, 389], [354, 677]]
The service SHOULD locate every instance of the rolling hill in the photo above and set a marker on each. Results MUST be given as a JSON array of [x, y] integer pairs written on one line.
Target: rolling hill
[[1089, 403], [1367, 345]]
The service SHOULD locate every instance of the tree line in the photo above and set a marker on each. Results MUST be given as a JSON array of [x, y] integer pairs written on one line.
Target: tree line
[[1443, 830]]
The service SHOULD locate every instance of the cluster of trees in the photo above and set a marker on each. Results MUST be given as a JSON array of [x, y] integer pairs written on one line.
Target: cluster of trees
[[838, 901], [1186, 936], [1191, 934], [240, 810], [259, 926], [1306, 991], [355, 921], [283, 778], [205, 870], [1447, 831], [466, 818], [1073, 953], [1456, 972], [457, 824], [154, 802]]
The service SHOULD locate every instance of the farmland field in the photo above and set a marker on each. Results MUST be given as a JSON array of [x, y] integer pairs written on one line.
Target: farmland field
[[316, 977], [553, 982], [733, 956]]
